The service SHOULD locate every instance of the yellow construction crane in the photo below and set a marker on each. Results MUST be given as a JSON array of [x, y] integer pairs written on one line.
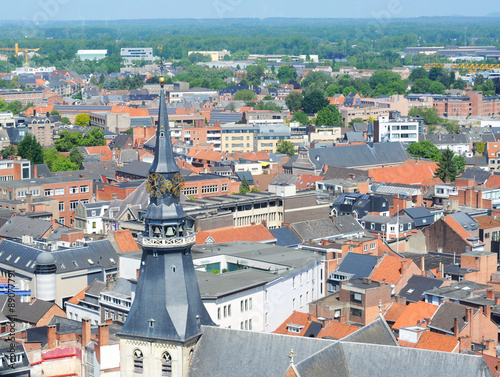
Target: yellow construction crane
[[467, 66], [18, 50]]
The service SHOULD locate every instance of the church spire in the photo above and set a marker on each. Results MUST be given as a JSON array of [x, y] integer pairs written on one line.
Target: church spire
[[164, 161]]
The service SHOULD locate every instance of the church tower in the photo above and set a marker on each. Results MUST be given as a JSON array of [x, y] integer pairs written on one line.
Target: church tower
[[164, 322]]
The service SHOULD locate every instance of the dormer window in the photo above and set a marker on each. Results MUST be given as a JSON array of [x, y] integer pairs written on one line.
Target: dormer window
[[292, 327]]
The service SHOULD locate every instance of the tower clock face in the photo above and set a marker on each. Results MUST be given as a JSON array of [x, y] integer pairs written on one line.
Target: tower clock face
[[176, 184], [156, 185]]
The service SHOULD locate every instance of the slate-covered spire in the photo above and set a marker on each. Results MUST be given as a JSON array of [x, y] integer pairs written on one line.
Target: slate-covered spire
[[164, 161], [369, 131]]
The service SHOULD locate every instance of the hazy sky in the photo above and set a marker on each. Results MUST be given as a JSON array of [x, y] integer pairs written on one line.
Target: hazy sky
[[46, 10]]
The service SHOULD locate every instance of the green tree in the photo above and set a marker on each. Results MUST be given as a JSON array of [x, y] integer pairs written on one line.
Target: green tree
[[452, 127], [354, 121], [94, 138], [314, 102], [329, 116], [245, 187], [82, 120], [268, 98], [418, 73], [437, 88], [430, 115], [424, 149], [421, 85], [316, 80], [244, 95], [57, 162], [300, 117], [68, 140], [130, 131], [65, 120], [294, 101], [460, 163], [285, 147], [30, 149], [459, 84], [447, 168], [286, 73], [8, 151], [480, 147], [54, 112], [76, 157]]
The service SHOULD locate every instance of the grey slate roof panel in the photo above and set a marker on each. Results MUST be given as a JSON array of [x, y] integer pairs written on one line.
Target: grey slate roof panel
[[377, 332], [360, 265], [417, 285], [285, 237]]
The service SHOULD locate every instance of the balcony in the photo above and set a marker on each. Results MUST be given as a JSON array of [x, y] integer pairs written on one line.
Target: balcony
[[166, 243]]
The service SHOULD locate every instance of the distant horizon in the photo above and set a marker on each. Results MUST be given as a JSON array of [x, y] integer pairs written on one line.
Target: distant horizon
[[46, 11]]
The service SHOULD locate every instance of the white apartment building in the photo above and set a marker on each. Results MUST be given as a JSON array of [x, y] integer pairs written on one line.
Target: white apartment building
[[404, 130], [136, 54]]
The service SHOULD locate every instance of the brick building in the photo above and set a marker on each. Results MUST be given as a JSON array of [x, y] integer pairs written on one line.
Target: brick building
[[69, 191]]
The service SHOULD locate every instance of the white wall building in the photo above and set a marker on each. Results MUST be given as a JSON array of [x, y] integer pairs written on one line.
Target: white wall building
[[404, 130], [136, 54], [260, 287]]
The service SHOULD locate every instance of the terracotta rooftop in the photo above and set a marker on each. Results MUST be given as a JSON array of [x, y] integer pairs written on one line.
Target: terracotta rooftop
[[455, 225], [125, 241], [255, 233], [414, 314], [486, 222], [493, 181], [337, 330], [79, 296], [394, 312], [389, 269], [411, 172], [297, 318], [307, 181], [437, 342]]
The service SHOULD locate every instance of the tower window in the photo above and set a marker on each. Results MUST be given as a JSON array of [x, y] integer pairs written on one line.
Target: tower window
[[151, 322], [166, 364], [138, 361], [155, 253], [173, 269]]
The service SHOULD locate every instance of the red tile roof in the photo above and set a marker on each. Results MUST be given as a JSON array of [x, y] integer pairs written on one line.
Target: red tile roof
[[256, 233], [394, 311], [125, 241], [389, 269], [297, 318], [455, 225], [493, 181], [337, 330], [486, 222], [437, 342], [79, 296], [410, 172], [307, 181], [414, 314]]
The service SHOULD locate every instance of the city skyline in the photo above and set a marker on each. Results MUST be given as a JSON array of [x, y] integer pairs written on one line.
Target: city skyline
[[59, 10]]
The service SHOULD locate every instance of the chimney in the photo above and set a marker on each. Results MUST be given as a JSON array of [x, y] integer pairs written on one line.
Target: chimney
[[497, 300], [85, 331], [455, 328], [102, 338], [422, 265], [404, 266], [468, 315], [487, 311], [114, 195], [51, 336], [490, 293], [342, 319]]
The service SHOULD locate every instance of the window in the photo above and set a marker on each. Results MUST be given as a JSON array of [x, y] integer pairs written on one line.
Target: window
[[356, 297], [229, 310], [61, 220], [190, 190], [224, 187], [166, 364], [373, 246], [73, 190], [372, 226], [486, 235], [138, 361], [73, 204], [59, 191], [250, 304], [225, 311], [242, 305], [48, 192], [61, 206], [250, 324], [208, 189], [218, 313], [356, 312], [84, 188], [365, 247], [383, 228], [246, 305]]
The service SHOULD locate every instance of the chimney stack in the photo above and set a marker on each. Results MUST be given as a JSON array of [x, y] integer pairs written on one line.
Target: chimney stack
[[455, 328], [86, 334], [468, 315], [497, 300], [490, 293], [422, 265], [51, 336], [487, 311], [103, 339]]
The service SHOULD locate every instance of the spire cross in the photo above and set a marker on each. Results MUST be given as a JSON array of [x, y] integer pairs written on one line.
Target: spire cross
[[292, 355]]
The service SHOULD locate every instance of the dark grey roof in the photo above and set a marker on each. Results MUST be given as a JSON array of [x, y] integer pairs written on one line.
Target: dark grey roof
[[261, 354], [284, 179], [18, 226], [479, 175], [357, 137], [137, 168], [247, 175], [465, 221], [315, 229], [377, 332], [95, 288], [10, 368], [23, 257], [30, 312], [417, 285], [359, 155], [336, 172], [251, 353], [432, 260], [444, 318], [420, 215], [225, 117], [439, 139], [285, 237], [359, 265]]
